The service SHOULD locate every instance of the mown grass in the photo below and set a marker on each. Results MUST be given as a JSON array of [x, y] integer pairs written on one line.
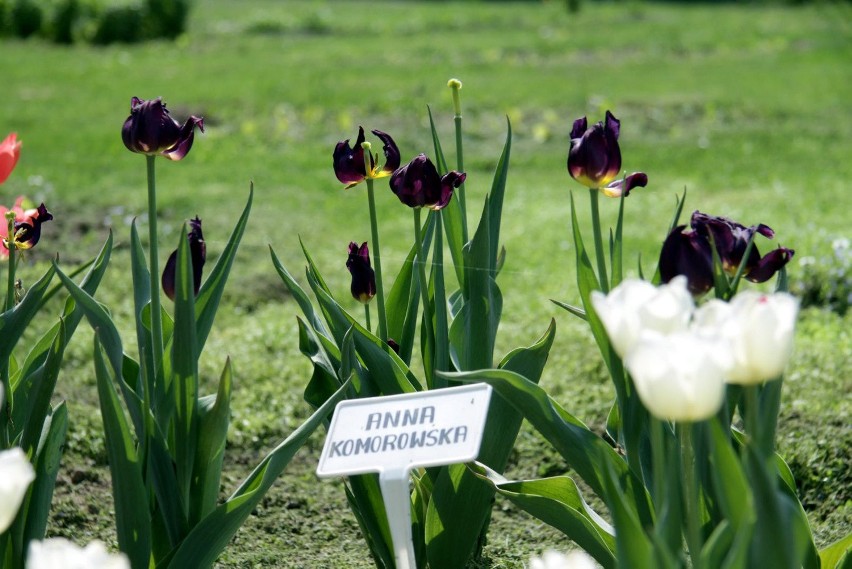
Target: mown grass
[[749, 113]]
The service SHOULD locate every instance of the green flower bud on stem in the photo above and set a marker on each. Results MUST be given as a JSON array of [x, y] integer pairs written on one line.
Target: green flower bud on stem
[[456, 86]]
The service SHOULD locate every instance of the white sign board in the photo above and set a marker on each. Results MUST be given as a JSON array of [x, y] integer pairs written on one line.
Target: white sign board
[[399, 432]]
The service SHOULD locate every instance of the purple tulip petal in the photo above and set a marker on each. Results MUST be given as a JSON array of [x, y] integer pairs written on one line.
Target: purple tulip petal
[[580, 126], [349, 164], [392, 157], [613, 125], [187, 134], [770, 264], [687, 254], [624, 185]]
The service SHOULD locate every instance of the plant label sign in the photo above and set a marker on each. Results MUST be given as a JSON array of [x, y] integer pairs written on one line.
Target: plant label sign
[[400, 432], [393, 434]]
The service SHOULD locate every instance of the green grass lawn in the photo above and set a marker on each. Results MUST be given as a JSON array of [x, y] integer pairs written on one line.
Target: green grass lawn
[[748, 107]]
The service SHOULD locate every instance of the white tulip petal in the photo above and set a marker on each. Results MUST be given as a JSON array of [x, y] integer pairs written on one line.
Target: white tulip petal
[[60, 552], [16, 474]]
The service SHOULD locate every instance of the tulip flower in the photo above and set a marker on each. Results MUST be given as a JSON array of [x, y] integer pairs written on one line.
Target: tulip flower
[[417, 184], [760, 330], [680, 376], [151, 130], [350, 165], [10, 151], [555, 560], [28, 227], [60, 552], [636, 307], [19, 212], [594, 158], [363, 286], [198, 253], [689, 252], [16, 474]]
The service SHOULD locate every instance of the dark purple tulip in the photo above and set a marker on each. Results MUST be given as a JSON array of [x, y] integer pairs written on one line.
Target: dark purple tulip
[[594, 158], [198, 255], [28, 227], [349, 166], [690, 253], [417, 184], [363, 278], [151, 130]]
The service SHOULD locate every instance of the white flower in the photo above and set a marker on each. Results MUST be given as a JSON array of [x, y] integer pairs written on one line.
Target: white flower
[[58, 552], [636, 306], [16, 474], [555, 560], [760, 331], [679, 377]]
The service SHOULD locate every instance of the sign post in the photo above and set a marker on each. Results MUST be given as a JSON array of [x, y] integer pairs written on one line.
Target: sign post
[[393, 434]]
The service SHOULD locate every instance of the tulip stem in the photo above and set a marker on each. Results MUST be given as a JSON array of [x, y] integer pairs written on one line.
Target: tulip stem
[[457, 119], [420, 262], [367, 317], [599, 251], [6, 397], [377, 258], [156, 314], [13, 259], [690, 494]]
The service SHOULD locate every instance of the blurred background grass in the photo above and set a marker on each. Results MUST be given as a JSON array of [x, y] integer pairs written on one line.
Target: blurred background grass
[[745, 105]]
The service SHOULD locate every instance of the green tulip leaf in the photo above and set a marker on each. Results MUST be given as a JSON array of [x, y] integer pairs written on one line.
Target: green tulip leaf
[[206, 541], [558, 502]]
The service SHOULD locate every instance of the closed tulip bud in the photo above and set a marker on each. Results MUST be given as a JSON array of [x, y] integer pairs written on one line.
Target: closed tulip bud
[[363, 286], [198, 254]]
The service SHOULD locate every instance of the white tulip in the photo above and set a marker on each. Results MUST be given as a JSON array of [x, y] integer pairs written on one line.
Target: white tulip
[[636, 306], [16, 474], [555, 560], [681, 376], [760, 329], [58, 552]]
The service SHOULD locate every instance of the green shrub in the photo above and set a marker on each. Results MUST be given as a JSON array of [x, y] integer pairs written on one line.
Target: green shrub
[[26, 18], [62, 23], [826, 279], [5, 24], [166, 18], [119, 24]]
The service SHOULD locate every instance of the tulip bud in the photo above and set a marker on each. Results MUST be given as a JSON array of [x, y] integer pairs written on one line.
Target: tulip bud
[[198, 254], [363, 286]]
